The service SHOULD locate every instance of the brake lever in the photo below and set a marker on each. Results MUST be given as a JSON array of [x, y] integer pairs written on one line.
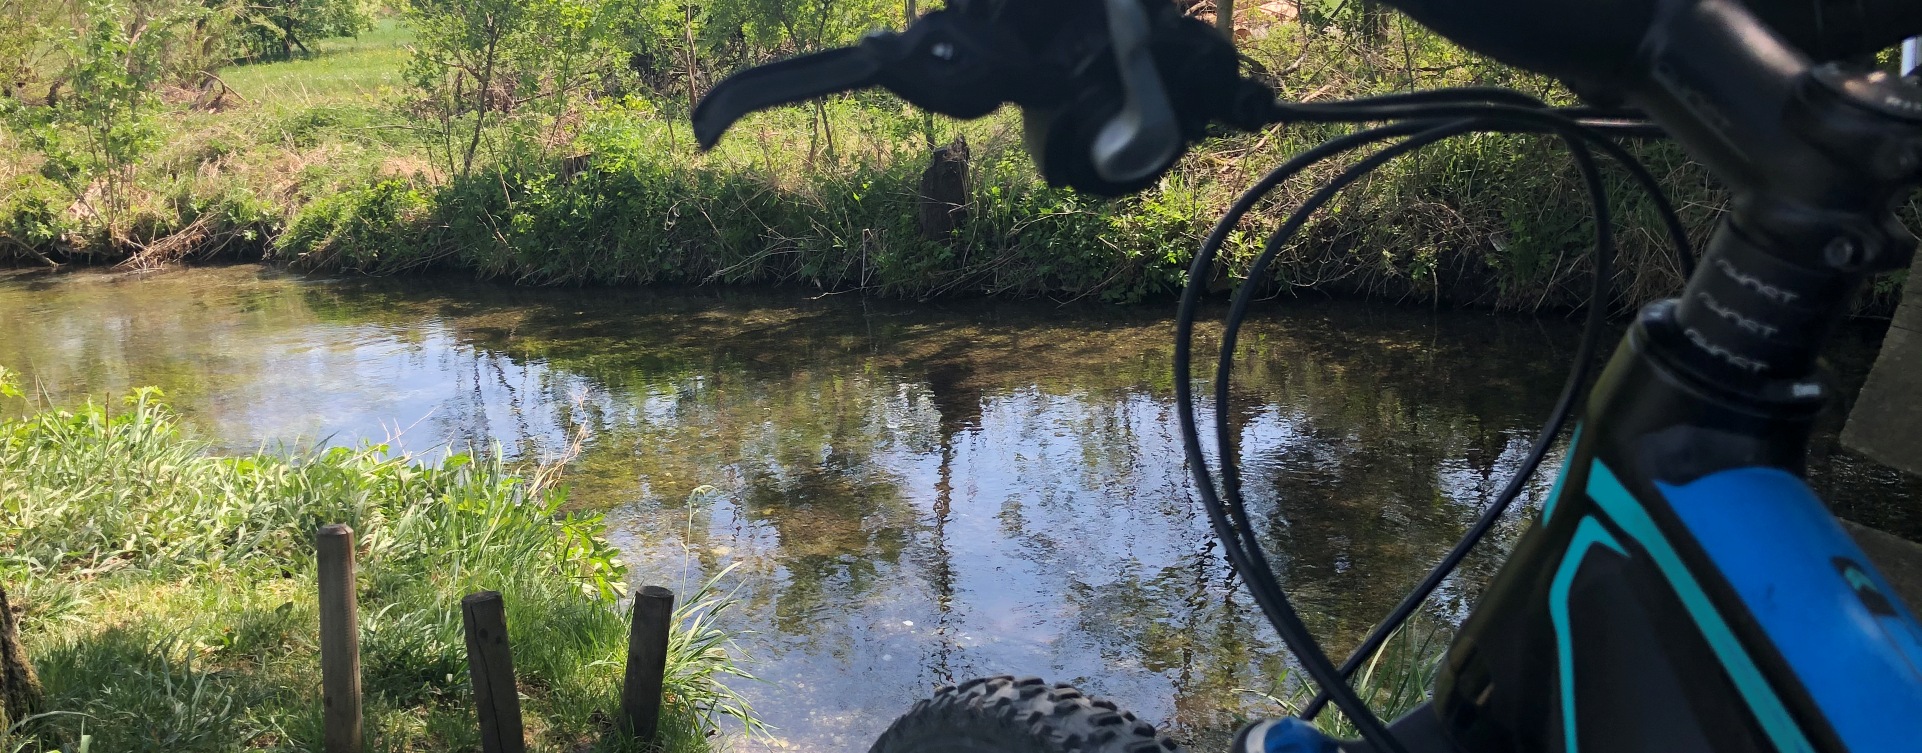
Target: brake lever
[[949, 63], [1111, 91]]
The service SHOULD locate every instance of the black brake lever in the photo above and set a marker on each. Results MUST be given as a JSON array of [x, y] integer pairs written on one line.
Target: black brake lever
[[948, 63], [1111, 91], [782, 83]]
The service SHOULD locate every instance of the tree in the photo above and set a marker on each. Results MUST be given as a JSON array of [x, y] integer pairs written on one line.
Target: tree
[[487, 59], [95, 129], [20, 695], [23, 45], [274, 28], [1371, 20], [456, 60]]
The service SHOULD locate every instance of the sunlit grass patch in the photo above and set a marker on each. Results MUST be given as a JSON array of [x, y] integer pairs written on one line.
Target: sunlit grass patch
[[359, 69], [168, 595]]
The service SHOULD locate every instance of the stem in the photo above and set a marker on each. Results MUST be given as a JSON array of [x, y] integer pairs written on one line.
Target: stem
[[688, 9]]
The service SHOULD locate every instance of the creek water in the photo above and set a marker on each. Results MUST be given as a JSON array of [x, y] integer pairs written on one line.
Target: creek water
[[907, 494]]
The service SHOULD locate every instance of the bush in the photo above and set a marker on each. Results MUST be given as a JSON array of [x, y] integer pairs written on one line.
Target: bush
[[369, 229], [32, 217]]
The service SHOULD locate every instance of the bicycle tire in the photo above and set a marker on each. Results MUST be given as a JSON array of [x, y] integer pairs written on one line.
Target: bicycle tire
[[1003, 714]]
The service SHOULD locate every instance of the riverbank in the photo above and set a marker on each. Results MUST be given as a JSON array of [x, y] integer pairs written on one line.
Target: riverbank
[[325, 163], [166, 595]]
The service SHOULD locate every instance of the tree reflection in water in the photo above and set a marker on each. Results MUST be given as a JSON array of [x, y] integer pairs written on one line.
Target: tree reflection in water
[[910, 494]]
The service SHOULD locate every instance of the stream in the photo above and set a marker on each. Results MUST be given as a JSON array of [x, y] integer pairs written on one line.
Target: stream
[[899, 495]]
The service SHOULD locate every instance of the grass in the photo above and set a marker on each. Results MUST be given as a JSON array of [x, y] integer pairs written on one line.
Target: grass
[[1398, 678], [325, 164], [168, 595], [346, 70]]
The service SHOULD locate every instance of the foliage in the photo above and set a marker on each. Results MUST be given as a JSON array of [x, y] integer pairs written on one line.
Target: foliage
[[168, 594], [31, 217], [101, 126], [680, 41], [544, 141], [479, 62], [23, 51], [370, 223], [1393, 682], [272, 29]]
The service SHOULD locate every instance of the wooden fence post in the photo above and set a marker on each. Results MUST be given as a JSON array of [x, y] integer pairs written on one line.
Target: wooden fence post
[[339, 640], [646, 661], [490, 665]]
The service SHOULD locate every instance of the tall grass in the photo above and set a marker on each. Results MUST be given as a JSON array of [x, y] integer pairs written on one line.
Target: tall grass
[[1497, 221], [1398, 678], [169, 604], [327, 163]]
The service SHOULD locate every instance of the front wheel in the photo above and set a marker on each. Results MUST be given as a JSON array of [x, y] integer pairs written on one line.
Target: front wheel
[[1005, 715]]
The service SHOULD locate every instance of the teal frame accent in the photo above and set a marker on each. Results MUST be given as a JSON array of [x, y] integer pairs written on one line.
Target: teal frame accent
[[1627, 513], [1588, 535], [1555, 492]]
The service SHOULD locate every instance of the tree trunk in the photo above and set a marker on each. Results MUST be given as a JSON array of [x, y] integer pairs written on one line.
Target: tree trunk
[[19, 686], [486, 90], [1225, 18], [688, 11], [1374, 21]]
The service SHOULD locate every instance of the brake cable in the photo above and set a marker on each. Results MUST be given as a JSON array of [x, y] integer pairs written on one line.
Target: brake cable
[[1230, 517], [1110, 127]]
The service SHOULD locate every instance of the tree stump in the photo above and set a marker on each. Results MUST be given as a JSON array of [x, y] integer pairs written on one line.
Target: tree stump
[[19, 686], [943, 204]]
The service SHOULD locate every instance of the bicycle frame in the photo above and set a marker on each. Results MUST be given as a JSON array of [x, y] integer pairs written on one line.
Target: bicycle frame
[[1684, 590]]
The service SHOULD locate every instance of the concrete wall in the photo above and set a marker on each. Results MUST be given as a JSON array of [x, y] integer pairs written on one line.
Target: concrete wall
[[1887, 420]]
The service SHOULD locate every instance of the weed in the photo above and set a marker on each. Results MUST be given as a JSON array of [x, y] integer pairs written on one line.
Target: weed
[[1393, 682]]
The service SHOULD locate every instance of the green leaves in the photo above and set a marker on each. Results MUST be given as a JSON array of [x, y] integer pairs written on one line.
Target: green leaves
[[274, 29]]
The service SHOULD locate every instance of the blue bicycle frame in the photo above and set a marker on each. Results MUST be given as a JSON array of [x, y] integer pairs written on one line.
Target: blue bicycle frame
[[1684, 590], [1675, 598]]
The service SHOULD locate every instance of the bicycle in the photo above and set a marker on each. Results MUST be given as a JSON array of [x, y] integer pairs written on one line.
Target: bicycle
[[1683, 589]]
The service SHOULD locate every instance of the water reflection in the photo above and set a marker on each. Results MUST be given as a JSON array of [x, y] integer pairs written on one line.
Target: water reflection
[[908, 494]]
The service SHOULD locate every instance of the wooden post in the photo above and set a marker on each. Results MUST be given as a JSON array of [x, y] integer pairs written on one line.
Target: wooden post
[[646, 661], [339, 640], [490, 665]]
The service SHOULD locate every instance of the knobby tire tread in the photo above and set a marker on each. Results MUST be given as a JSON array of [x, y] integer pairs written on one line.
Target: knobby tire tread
[[1003, 714]]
